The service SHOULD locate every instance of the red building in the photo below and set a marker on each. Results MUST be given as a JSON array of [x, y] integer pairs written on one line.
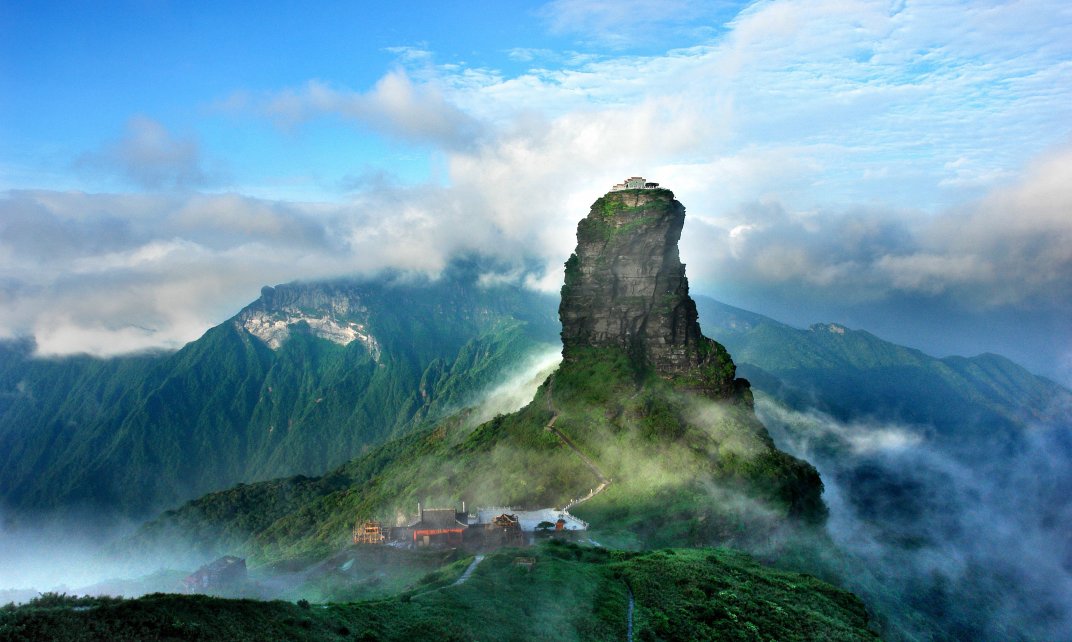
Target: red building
[[439, 527]]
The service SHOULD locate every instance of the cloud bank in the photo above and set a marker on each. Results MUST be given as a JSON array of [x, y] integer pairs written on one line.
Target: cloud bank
[[111, 273], [846, 153], [970, 545], [1011, 247]]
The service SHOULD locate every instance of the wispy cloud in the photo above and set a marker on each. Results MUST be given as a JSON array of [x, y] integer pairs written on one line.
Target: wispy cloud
[[1011, 247], [629, 23], [977, 528], [159, 270], [149, 156], [395, 106]]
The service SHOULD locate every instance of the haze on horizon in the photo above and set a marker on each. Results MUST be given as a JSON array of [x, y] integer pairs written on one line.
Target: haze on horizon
[[896, 166]]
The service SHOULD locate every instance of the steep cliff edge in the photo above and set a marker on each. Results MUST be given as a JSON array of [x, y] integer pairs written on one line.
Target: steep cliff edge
[[670, 400], [626, 288]]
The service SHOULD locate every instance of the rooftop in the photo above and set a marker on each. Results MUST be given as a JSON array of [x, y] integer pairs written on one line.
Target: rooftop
[[634, 182]]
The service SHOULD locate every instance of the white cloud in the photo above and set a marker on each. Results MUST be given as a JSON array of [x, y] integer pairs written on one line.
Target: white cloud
[[628, 23], [773, 134], [149, 156], [811, 428], [1011, 247], [394, 106]]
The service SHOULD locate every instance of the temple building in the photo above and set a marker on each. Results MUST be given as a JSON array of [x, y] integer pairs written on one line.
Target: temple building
[[634, 182], [438, 527]]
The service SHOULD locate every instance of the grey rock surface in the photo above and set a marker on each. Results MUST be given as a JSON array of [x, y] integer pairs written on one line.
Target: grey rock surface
[[626, 287]]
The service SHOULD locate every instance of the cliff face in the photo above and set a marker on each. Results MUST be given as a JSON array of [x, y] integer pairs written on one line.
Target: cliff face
[[329, 311], [626, 287], [632, 346]]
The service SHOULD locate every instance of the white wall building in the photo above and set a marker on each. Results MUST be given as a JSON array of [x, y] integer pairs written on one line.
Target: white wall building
[[634, 182]]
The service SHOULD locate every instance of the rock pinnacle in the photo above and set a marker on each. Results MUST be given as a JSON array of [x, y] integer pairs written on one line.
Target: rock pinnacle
[[626, 287]]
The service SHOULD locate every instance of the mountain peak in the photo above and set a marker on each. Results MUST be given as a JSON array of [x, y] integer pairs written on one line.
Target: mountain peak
[[333, 312], [626, 287], [832, 328]]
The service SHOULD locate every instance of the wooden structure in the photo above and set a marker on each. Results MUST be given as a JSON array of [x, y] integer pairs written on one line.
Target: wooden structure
[[370, 532], [504, 530]]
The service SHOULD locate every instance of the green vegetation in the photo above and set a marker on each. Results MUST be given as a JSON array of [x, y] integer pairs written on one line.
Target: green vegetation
[[685, 470], [717, 372], [851, 373], [616, 218], [569, 593], [609, 207], [136, 434]]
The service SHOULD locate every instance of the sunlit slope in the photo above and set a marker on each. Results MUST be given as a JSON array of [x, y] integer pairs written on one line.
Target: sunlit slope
[[137, 434]]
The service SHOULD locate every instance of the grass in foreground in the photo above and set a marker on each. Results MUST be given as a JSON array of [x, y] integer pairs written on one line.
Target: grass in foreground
[[570, 593]]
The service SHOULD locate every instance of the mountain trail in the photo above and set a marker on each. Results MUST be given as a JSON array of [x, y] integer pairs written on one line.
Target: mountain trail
[[629, 623], [469, 570], [604, 481]]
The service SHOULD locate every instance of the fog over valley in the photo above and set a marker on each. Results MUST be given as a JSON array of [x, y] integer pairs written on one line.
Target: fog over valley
[[564, 318]]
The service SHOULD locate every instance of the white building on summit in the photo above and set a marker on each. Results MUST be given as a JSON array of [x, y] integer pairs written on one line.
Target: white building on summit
[[634, 182]]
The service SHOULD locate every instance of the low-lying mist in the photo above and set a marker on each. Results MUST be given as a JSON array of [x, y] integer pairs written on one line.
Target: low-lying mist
[[940, 543], [69, 554], [75, 552], [514, 392], [955, 546]]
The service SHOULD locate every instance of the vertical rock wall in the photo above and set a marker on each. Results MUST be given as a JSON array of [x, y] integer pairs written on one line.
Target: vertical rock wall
[[626, 287]]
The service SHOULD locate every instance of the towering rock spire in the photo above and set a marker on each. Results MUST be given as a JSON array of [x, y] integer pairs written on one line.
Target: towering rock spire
[[626, 287]]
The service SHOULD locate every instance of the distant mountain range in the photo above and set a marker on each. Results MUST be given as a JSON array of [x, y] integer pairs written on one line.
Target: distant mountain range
[[302, 380], [852, 374], [311, 375]]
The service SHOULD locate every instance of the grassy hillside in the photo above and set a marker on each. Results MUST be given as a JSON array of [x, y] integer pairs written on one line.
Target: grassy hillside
[[682, 470], [570, 593], [136, 434]]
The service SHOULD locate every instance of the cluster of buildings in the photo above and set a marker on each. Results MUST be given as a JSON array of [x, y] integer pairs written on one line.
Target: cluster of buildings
[[634, 182], [452, 528]]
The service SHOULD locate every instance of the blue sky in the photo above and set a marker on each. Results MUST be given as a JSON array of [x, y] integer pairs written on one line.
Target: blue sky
[[900, 166]]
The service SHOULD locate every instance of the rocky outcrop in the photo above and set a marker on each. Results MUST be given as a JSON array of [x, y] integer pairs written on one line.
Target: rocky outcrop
[[332, 313], [625, 287]]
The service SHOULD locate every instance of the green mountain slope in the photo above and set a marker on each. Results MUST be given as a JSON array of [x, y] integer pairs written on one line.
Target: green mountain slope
[[569, 593], [644, 420], [852, 374], [136, 434], [682, 470], [949, 478]]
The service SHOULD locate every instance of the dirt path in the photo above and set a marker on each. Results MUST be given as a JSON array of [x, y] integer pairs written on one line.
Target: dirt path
[[604, 481], [469, 570]]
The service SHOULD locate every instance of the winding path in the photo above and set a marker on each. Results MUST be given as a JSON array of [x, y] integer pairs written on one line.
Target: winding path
[[604, 481]]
